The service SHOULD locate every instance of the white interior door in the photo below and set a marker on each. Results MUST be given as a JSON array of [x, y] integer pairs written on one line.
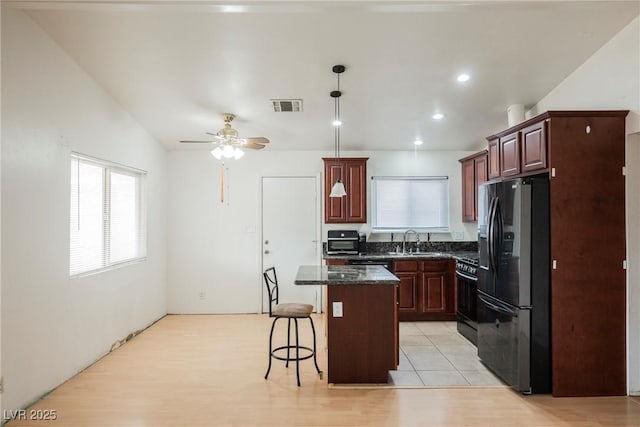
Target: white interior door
[[290, 235]]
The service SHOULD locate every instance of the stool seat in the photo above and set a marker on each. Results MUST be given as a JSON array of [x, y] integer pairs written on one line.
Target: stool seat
[[292, 309]]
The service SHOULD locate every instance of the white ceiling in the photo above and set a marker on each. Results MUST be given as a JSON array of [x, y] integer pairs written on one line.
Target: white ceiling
[[176, 67]]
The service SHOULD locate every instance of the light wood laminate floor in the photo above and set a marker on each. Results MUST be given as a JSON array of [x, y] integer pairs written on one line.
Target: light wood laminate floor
[[207, 370]]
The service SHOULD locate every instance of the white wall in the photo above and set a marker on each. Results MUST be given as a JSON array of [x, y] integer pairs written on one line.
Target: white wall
[[610, 79], [215, 247], [52, 326]]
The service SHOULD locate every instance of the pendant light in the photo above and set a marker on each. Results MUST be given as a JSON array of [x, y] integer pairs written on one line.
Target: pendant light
[[338, 189]]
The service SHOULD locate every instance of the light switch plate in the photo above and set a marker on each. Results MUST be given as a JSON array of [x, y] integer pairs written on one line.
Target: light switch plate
[[337, 309]]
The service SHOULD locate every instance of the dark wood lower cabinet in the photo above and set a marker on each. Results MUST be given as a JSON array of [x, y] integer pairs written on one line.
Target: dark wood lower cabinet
[[427, 289], [363, 343]]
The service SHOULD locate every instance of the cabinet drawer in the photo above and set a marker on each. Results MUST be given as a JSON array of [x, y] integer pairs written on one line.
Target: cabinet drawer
[[439, 265], [399, 266]]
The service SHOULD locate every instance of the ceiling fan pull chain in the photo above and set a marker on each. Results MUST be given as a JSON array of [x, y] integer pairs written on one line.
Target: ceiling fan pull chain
[[222, 182]]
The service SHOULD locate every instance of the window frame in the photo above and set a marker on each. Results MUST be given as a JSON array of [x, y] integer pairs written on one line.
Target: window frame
[[444, 228], [109, 167]]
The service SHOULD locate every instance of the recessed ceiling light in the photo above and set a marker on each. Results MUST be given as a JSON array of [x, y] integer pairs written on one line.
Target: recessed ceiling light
[[463, 77], [437, 116], [418, 142]]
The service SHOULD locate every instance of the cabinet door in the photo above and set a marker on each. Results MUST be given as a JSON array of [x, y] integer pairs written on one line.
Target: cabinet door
[[468, 191], [433, 295], [334, 207], [356, 186], [534, 147], [481, 176], [510, 155], [494, 158], [408, 298]]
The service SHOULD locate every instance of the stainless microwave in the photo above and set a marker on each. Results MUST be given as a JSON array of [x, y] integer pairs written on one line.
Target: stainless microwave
[[342, 242]]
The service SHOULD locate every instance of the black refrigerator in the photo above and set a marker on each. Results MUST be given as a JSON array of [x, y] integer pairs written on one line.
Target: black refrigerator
[[513, 282]]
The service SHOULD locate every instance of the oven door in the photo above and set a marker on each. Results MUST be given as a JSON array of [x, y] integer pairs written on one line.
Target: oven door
[[467, 313], [467, 296]]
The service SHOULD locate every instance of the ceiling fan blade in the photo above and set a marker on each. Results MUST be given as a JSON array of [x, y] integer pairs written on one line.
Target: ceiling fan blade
[[197, 142], [257, 140], [253, 146], [216, 136]]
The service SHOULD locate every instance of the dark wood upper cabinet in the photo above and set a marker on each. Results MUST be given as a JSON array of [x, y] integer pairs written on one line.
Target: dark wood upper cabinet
[[351, 208], [494, 158], [510, 155], [534, 148], [468, 191], [474, 173]]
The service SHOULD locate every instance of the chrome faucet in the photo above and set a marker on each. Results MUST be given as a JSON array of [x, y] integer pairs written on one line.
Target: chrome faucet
[[404, 240]]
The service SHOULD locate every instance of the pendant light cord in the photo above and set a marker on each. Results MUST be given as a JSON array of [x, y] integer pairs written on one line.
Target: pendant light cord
[[337, 128]]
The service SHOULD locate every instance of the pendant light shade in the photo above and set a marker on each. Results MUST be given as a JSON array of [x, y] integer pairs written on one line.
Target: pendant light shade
[[338, 189]]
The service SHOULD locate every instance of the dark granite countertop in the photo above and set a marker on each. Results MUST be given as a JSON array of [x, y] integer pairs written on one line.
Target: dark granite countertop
[[345, 275], [398, 256]]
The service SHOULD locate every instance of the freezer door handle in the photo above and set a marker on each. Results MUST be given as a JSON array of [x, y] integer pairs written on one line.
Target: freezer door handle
[[497, 308]]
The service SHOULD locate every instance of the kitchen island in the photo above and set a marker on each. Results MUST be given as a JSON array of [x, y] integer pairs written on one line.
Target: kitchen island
[[361, 315]]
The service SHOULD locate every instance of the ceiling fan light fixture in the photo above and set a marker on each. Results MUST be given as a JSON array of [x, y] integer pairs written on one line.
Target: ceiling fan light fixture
[[217, 153], [227, 151], [238, 154]]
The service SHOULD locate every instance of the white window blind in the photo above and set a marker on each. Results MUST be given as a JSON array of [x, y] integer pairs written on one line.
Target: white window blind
[[400, 203], [107, 226]]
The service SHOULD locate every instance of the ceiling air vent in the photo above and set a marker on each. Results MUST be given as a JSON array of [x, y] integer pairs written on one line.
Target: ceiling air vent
[[287, 105]]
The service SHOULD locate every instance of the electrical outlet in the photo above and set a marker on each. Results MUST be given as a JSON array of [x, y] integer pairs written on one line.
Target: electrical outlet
[[337, 309], [457, 235], [203, 296]]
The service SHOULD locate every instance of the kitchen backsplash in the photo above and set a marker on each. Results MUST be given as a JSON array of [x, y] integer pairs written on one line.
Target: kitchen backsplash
[[377, 247]]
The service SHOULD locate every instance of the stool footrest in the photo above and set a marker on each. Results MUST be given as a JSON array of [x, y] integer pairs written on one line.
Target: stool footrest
[[292, 349]]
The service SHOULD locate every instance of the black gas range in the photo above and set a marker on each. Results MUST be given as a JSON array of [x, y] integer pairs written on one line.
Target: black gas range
[[467, 312]]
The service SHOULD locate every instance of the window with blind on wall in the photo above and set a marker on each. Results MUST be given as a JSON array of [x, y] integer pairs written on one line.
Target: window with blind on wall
[[107, 222], [400, 203]]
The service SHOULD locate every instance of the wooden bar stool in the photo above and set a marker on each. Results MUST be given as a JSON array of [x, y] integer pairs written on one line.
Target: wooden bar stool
[[289, 311]]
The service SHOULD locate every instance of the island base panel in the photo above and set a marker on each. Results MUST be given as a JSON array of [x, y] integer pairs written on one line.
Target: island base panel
[[362, 344]]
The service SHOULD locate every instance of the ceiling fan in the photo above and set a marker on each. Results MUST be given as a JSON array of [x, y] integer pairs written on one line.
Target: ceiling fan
[[227, 142]]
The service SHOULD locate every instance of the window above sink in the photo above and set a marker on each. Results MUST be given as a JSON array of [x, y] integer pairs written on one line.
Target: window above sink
[[400, 203]]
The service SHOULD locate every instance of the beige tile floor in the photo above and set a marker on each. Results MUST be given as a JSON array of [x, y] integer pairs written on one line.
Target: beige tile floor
[[433, 354]]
